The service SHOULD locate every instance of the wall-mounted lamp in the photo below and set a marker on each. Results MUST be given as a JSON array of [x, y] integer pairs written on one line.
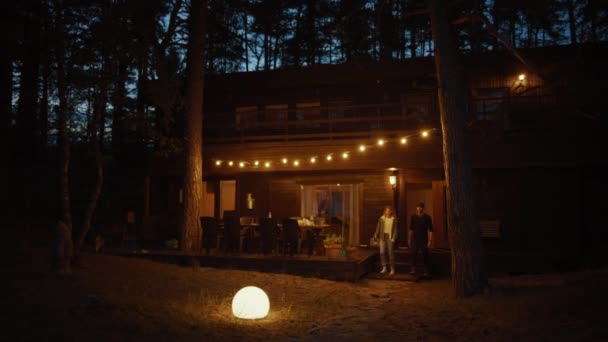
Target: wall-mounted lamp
[[392, 180], [519, 86]]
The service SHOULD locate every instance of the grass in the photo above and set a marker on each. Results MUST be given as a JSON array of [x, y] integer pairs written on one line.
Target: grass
[[116, 298]]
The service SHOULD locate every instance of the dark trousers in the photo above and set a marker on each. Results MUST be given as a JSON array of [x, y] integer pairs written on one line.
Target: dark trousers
[[421, 248]]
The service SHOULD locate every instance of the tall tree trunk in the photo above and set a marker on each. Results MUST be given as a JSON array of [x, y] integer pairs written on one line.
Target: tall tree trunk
[[571, 21], [246, 39], [43, 116], [95, 141], [193, 175], [28, 89], [467, 274], [65, 243], [6, 95], [413, 42], [119, 100], [266, 50]]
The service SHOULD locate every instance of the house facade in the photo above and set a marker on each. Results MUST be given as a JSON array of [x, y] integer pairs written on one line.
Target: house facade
[[338, 143]]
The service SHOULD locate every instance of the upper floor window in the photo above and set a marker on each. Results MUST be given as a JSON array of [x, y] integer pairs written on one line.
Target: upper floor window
[[246, 117]]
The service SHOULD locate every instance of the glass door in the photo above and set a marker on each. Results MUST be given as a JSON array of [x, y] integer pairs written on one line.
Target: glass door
[[336, 205]]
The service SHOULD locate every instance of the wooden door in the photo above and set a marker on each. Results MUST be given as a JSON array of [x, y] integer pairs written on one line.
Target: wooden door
[[440, 228]]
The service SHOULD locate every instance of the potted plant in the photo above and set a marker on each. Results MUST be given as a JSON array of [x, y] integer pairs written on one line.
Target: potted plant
[[333, 245]]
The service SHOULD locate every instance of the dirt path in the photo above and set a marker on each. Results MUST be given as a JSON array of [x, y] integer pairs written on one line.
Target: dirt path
[[363, 318]]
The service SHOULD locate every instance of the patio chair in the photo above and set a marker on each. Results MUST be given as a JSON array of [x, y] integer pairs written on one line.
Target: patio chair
[[232, 231], [291, 236], [268, 237], [211, 237]]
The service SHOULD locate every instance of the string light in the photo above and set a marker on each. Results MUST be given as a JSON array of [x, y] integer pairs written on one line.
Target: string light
[[521, 77], [403, 140]]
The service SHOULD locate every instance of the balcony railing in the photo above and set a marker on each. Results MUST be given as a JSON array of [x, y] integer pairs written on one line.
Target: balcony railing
[[503, 113], [317, 123]]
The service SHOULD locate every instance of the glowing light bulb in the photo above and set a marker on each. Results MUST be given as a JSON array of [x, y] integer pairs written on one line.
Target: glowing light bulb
[[241, 164], [521, 77], [284, 160], [329, 157], [230, 163], [380, 142], [267, 164], [345, 155], [362, 148], [256, 163], [425, 134], [403, 141], [296, 163], [313, 160], [218, 162]]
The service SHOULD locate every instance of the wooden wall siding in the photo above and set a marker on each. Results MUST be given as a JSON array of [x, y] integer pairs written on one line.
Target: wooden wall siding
[[282, 194], [417, 154], [498, 196], [440, 229], [284, 198], [551, 216]]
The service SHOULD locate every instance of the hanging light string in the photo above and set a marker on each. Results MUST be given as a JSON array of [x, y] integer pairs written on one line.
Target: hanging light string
[[328, 157]]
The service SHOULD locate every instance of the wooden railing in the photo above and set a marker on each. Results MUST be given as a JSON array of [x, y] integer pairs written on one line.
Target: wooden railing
[[317, 123], [510, 112], [517, 112]]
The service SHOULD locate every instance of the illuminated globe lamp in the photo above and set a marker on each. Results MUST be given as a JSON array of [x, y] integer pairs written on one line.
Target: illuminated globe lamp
[[250, 303]]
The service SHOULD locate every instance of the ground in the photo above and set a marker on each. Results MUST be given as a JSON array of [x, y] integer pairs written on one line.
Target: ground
[[117, 298]]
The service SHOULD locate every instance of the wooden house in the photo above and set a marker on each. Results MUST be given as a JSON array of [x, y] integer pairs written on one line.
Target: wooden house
[[322, 142]]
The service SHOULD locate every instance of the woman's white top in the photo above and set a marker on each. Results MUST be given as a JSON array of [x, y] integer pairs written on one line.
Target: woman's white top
[[388, 224]]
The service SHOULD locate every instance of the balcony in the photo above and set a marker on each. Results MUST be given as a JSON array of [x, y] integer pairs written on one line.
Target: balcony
[[342, 121]]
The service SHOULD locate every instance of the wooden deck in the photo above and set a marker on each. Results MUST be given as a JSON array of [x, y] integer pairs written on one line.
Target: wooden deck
[[355, 265]]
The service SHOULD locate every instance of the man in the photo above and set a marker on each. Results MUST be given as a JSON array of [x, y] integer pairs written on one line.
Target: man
[[421, 237]]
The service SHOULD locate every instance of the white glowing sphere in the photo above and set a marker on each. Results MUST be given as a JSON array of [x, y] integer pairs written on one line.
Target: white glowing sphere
[[250, 303]]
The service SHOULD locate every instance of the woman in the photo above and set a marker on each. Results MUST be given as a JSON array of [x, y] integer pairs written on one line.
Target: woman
[[386, 233]]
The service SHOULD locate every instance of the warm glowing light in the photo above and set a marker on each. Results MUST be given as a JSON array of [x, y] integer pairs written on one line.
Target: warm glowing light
[[250, 303], [256, 163], [392, 180], [329, 157], [338, 184], [403, 141], [218, 162], [284, 160], [267, 164], [521, 77], [425, 134], [241, 164], [362, 148], [296, 163], [381, 142], [230, 163], [313, 160], [345, 155]]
